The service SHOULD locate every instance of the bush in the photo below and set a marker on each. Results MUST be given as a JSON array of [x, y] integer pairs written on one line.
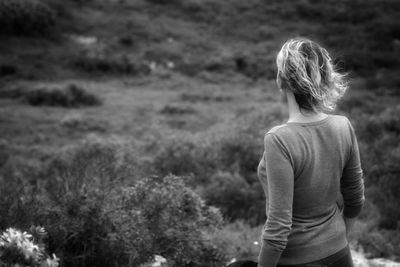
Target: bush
[[126, 41], [171, 220], [28, 17], [239, 240], [205, 97], [375, 243], [98, 160], [20, 248], [76, 122], [240, 146], [119, 226], [230, 153], [4, 152], [164, 2], [7, 70], [162, 54], [255, 66], [70, 96], [219, 63], [98, 212], [235, 197], [109, 64], [378, 136], [177, 110], [185, 155]]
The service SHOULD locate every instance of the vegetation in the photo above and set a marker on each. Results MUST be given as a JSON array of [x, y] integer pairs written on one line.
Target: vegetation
[[70, 96], [137, 129], [26, 17], [93, 218]]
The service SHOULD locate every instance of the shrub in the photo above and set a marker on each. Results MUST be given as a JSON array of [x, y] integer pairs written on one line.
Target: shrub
[[213, 157], [12, 92], [375, 243], [7, 70], [177, 110], [362, 101], [64, 9], [26, 17], [96, 160], [241, 153], [185, 154], [162, 54], [109, 64], [171, 221], [240, 146], [98, 212], [239, 240], [234, 197], [255, 66], [164, 2], [18, 203], [388, 81], [372, 127], [76, 122], [119, 226], [70, 96], [4, 152], [378, 138], [205, 97], [126, 41], [219, 63], [20, 248], [196, 97]]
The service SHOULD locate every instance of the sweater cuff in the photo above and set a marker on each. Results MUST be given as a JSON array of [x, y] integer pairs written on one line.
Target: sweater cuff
[[352, 211], [269, 255]]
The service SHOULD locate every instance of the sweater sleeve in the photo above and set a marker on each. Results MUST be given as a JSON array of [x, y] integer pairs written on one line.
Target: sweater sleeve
[[352, 183], [280, 179]]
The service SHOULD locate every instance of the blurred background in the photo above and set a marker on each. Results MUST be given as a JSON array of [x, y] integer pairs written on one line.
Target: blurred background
[[133, 128]]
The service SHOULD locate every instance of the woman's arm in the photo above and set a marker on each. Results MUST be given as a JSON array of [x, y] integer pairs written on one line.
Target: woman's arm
[[280, 179], [352, 183]]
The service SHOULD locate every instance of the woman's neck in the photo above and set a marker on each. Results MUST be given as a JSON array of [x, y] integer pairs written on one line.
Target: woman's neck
[[295, 114], [300, 117]]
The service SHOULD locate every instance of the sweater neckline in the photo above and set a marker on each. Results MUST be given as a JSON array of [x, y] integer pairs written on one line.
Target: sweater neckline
[[311, 122]]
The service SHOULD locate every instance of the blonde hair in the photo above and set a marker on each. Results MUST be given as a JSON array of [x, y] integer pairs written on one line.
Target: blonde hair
[[306, 69]]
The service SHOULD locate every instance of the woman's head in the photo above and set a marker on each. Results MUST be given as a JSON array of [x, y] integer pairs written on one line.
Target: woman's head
[[306, 69]]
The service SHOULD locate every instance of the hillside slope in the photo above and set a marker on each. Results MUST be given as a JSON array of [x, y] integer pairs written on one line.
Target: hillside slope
[[153, 87]]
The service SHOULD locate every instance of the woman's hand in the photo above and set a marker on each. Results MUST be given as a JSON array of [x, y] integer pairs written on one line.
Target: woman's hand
[[349, 222]]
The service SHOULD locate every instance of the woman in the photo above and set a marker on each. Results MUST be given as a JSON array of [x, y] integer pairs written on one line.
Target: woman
[[310, 166]]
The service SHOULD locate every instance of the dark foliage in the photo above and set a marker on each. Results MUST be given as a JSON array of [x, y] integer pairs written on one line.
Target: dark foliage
[[26, 17], [177, 110], [70, 96], [109, 65], [7, 69], [94, 217]]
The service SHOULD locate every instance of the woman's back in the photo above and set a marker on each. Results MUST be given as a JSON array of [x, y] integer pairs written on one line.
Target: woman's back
[[309, 164], [313, 165]]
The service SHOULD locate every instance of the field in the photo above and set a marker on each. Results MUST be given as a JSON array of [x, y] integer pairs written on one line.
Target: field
[[133, 128]]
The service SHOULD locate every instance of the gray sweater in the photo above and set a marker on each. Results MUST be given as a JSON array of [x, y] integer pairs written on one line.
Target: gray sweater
[[308, 170]]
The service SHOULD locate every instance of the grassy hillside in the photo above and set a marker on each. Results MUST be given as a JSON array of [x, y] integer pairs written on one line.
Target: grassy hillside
[[97, 96]]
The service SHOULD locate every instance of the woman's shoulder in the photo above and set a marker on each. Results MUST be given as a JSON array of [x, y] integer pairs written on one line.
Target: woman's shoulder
[[286, 130], [341, 121], [276, 129], [340, 118], [279, 132]]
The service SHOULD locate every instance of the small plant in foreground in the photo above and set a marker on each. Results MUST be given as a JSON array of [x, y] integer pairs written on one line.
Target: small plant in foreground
[[19, 248]]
